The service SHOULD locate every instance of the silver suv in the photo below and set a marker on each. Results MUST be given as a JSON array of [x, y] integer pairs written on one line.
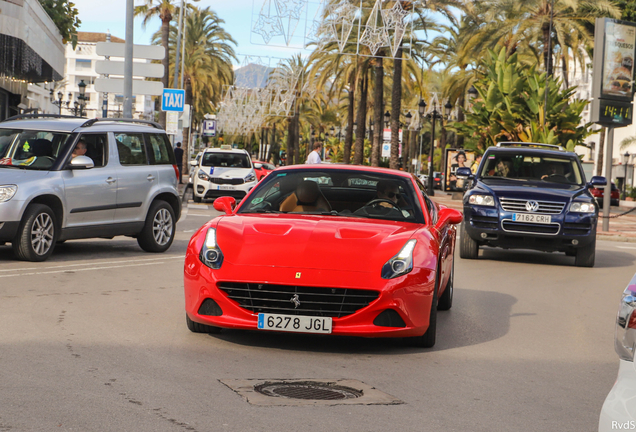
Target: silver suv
[[68, 178]]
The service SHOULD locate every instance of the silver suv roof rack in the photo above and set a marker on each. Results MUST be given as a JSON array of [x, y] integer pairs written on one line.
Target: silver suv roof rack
[[527, 144], [91, 122], [34, 116]]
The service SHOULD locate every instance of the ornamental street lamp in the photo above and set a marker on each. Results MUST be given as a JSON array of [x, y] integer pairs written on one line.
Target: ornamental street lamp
[[82, 97], [387, 119], [626, 164], [421, 109], [59, 102]]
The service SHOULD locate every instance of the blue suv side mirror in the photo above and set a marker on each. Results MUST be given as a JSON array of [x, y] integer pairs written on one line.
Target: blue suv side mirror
[[464, 172], [598, 181]]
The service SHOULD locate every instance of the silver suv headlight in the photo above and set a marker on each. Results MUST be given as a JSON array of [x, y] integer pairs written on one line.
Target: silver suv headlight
[[7, 192], [485, 200], [625, 337], [203, 176], [582, 207]]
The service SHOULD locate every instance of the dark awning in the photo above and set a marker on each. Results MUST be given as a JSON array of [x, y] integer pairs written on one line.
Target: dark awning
[[19, 61]]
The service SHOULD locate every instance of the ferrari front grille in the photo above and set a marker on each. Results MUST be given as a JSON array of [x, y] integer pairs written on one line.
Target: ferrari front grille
[[298, 300]]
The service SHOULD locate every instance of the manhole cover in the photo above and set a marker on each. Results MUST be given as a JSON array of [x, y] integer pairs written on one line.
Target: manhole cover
[[310, 390]]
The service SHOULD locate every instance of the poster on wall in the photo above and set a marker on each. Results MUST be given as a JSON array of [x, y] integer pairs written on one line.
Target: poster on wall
[[618, 70], [457, 158]]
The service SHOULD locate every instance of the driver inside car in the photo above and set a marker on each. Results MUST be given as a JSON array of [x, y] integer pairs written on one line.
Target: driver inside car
[[388, 190]]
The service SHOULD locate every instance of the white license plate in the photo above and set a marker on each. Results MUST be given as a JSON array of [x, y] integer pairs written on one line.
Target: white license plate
[[294, 323], [532, 218], [226, 187]]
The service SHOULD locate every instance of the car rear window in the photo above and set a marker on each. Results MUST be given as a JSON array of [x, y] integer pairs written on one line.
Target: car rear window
[[161, 152]]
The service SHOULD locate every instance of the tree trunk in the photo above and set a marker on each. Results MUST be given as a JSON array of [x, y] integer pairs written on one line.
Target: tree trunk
[[547, 56], [406, 148], [460, 119], [165, 41], [413, 146], [378, 112], [361, 119], [272, 154], [297, 159], [564, 66], [349, 131], [290, 142], [396, 106], [599, 158]]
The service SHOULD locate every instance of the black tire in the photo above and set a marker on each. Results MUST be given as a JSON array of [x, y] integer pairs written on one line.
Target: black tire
[[195, 198], [427, 340], [195, 327], [446, 300], [468, 248], [585, 255], [159, 229], [36, 235]]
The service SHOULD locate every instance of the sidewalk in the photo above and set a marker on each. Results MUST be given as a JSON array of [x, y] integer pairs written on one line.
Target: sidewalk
[[622, 228]]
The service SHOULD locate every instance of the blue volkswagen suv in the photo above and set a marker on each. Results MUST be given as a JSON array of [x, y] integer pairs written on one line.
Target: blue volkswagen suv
[[530, 196]]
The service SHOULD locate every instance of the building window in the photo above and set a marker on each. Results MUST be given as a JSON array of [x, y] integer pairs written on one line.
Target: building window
[[83, 64]]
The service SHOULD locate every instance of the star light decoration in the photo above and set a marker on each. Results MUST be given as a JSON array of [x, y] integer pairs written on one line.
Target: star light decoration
[[278, 18], [384, 27]]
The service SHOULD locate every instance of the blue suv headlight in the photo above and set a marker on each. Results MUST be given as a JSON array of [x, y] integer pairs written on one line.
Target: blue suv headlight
[[485, 200], [582, 207]]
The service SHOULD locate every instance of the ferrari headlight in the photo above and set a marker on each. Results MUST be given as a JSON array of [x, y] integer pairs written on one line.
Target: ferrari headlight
[[7, 192], [485, 200], [202, 175], [400, 264], [250, 178], [211, 254], [582, 207]]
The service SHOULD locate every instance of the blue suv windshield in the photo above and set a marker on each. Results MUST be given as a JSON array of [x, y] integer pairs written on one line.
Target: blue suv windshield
[[547, 168], [30, 149]]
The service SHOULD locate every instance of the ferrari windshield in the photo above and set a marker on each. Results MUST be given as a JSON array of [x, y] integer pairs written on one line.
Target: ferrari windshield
[[30, 149], [337, 192], [547, 167]]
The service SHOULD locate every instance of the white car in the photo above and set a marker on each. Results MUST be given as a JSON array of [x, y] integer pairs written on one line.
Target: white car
[[222, 172], [619, 409]]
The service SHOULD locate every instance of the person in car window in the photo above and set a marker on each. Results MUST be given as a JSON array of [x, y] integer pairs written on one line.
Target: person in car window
[[502, 169], [553, 170], [80, 149], [389, 191]]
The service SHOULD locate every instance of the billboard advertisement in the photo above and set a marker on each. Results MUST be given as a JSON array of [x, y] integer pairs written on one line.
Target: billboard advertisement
[[457, 158]]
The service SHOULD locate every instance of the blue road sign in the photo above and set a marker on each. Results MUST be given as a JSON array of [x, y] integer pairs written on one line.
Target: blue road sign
[[173, 100]]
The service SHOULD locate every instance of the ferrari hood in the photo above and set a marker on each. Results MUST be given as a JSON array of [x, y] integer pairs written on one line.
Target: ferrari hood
[[333, 243]]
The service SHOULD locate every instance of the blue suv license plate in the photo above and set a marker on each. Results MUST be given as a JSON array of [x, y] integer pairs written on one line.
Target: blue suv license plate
[[532, 218]]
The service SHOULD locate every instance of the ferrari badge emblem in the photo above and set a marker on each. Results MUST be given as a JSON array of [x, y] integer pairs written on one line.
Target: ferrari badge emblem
[[297, 275], [295, 300]]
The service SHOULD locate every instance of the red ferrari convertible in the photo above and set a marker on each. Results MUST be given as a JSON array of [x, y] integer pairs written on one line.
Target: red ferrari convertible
[[343, 250]]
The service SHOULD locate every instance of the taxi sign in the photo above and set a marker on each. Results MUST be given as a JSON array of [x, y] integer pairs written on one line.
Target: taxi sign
[[173, 100]]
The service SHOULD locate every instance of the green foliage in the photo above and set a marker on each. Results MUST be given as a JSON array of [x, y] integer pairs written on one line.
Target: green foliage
[[628, 9], [511, 107], [64, 15]]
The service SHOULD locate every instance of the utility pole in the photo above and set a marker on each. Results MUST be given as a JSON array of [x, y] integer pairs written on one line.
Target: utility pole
[[128, 60], [176, 62]]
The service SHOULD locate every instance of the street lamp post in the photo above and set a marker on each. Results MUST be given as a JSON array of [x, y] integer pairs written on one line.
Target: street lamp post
[[59, 102], [405, 145], [626, 164], [82, 97], [434, 115], [421, 108]]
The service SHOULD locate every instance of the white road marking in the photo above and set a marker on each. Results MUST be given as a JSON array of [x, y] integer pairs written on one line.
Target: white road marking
[[188, 231], [201, 215], [145, 261], [82, 269], [626, 247]]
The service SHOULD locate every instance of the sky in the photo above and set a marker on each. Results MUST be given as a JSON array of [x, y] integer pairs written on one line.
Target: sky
[[100, 16]]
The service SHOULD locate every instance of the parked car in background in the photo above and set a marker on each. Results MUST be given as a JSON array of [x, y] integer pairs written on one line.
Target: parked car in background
[[438, 180], [331, 249], [262, 169], [222, 171], [65, 178], [619, 408], [530, 196], [597, 192]]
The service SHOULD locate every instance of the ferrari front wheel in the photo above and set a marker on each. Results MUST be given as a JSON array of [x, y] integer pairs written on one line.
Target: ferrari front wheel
[[196, 327], [446, 300]]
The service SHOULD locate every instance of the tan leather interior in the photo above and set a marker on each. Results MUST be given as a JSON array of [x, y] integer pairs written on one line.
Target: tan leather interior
[[306, 198]]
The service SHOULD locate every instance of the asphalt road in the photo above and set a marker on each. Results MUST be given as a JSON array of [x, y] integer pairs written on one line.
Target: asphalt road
[[95, 340]]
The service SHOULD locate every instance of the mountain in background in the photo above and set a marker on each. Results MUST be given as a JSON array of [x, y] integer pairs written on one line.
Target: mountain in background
[[252, 76]]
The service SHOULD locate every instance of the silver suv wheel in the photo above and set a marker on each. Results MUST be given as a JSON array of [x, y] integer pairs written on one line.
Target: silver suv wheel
[[42, 233], [162, 227]]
